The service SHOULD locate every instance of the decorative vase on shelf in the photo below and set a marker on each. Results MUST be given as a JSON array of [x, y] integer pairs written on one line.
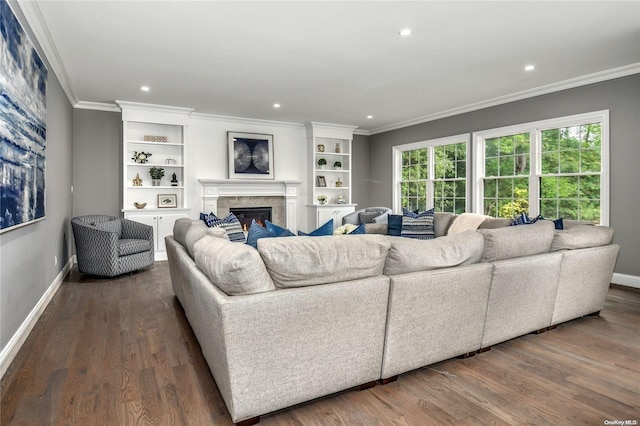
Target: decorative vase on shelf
[[338, 148], [340, 200], [155, 182]]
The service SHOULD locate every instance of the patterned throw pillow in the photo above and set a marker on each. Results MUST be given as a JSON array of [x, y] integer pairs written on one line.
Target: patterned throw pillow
[[367, 217], [326, 229], [418, 225], [232, 225], [208, 219]]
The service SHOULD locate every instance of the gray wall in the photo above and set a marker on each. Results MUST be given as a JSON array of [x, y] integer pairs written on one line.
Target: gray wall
[[620, 96], [97, 162], [360, 172], [27, 253]]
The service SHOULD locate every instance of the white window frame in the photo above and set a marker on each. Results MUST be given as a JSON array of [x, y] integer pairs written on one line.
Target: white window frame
[[535, 131], [397, 166]]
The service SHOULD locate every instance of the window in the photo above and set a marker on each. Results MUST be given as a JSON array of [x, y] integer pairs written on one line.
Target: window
[[432, 174], [557, 168]]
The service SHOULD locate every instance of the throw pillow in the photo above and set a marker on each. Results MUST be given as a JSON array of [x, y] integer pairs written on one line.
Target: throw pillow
[[558, 223], [257, 232], [208, 219], [419, 228], [277, 230], [394, 225], [326, 229], [232, 225], [416, 214], [367, 217]]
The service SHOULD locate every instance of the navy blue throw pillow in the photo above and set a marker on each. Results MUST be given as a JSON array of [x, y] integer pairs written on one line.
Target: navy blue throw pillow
[[395, 225], [326, 229]]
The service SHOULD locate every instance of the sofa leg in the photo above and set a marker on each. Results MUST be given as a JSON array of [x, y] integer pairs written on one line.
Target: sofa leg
[[249, 422], [388, 380], [483, 350], [467, 355], [367, 385], [593, 314]]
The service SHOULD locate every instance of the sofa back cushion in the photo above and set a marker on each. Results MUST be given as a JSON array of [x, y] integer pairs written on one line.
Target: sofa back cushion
[[409, 255], [517, 241], [236, 269], [304, 261], [196, 231], [581, 236], [180, 228], [441, 223]]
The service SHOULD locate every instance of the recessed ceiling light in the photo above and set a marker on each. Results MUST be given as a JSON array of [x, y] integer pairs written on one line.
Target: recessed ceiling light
[[144, 88], [530, 68], [405, 32], [369, 117], [276, 105]]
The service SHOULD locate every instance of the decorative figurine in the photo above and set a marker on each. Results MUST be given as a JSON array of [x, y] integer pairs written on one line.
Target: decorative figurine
[[174, 180], [338, 183], [320, 148], [137, 181]]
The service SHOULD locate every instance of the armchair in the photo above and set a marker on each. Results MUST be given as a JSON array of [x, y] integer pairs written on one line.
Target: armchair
[[368, 215], [110, 246]]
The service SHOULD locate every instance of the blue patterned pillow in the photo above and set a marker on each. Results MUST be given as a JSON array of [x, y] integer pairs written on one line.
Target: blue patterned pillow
[[326, 229], [256, 232], [232, 225], [524, 219], [394, 225], [420, 228], [416, 215], [208, 219]]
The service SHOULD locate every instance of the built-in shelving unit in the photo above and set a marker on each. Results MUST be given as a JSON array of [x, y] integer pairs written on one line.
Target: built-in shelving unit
[[160, 131], [331, 143]]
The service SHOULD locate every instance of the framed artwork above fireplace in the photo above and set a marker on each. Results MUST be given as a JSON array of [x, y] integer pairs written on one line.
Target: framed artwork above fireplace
[[250, 156]]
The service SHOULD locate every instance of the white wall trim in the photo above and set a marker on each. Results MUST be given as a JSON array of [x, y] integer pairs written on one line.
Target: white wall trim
[[245, 120], [624, 279], [97, 106], [13, 346], [525, 94]]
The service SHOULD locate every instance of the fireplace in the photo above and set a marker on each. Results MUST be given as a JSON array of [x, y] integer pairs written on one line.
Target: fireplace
[[247, 214]]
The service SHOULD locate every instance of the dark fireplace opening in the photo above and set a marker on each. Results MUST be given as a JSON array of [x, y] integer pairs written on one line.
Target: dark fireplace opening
[[246, 214]]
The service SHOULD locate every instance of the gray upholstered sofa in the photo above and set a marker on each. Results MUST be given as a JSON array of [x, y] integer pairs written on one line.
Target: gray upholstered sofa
[[305, 317]]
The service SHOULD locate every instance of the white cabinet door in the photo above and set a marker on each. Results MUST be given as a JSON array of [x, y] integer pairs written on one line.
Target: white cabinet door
[[164, 228], [324, 213]]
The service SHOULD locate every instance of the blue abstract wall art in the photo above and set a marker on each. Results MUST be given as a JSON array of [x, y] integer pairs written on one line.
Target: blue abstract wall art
[[23, 133]]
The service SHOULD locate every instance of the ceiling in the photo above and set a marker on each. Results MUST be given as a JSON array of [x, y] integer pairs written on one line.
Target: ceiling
[[332, 61]]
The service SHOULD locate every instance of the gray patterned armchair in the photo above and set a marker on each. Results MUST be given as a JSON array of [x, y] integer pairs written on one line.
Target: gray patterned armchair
[[110, 246]]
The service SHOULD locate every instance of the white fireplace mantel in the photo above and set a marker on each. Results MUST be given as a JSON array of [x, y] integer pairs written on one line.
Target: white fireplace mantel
[[212, 189]]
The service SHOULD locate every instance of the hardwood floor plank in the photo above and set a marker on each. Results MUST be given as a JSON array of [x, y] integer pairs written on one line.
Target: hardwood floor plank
[[121, 352]]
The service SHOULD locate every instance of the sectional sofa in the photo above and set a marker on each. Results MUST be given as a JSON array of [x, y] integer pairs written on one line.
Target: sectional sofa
[[304, 317]]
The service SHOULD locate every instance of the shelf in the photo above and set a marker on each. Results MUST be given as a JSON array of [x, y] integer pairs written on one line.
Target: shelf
[[332, 170], [156, 187], [331, 187], [155, 143], [337, 154], [154, 165]]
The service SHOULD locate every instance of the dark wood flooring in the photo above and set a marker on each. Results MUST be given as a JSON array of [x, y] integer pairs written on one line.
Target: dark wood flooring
[[120, 352]]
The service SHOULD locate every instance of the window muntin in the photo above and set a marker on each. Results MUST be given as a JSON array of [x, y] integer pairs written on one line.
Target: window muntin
[[432, 174], [564, 172]]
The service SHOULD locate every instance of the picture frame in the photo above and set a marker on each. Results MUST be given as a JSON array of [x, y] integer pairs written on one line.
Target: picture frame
[[167, 201], [321, 182], [250, 156]]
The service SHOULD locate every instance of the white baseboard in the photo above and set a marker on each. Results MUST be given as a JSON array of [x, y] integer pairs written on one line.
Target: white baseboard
[[628, 280], [11, 350]]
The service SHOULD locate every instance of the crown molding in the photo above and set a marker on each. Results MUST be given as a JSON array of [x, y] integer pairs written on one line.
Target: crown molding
[[246, 121], [542, 90], [33, 15], [97, 106]]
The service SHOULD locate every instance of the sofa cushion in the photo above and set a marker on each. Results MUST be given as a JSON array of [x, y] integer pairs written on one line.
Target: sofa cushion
[[304, 261], [180, 228], [581, 236], [133, 246], [441, 223], [409, 255], [197, 230], [466, 222], [517, 241], [235, 269], [495, 222]]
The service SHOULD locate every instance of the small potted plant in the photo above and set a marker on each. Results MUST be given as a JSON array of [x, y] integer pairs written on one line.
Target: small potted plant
[[321, 163], [322, 199], [337, 165], [156, 174]]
